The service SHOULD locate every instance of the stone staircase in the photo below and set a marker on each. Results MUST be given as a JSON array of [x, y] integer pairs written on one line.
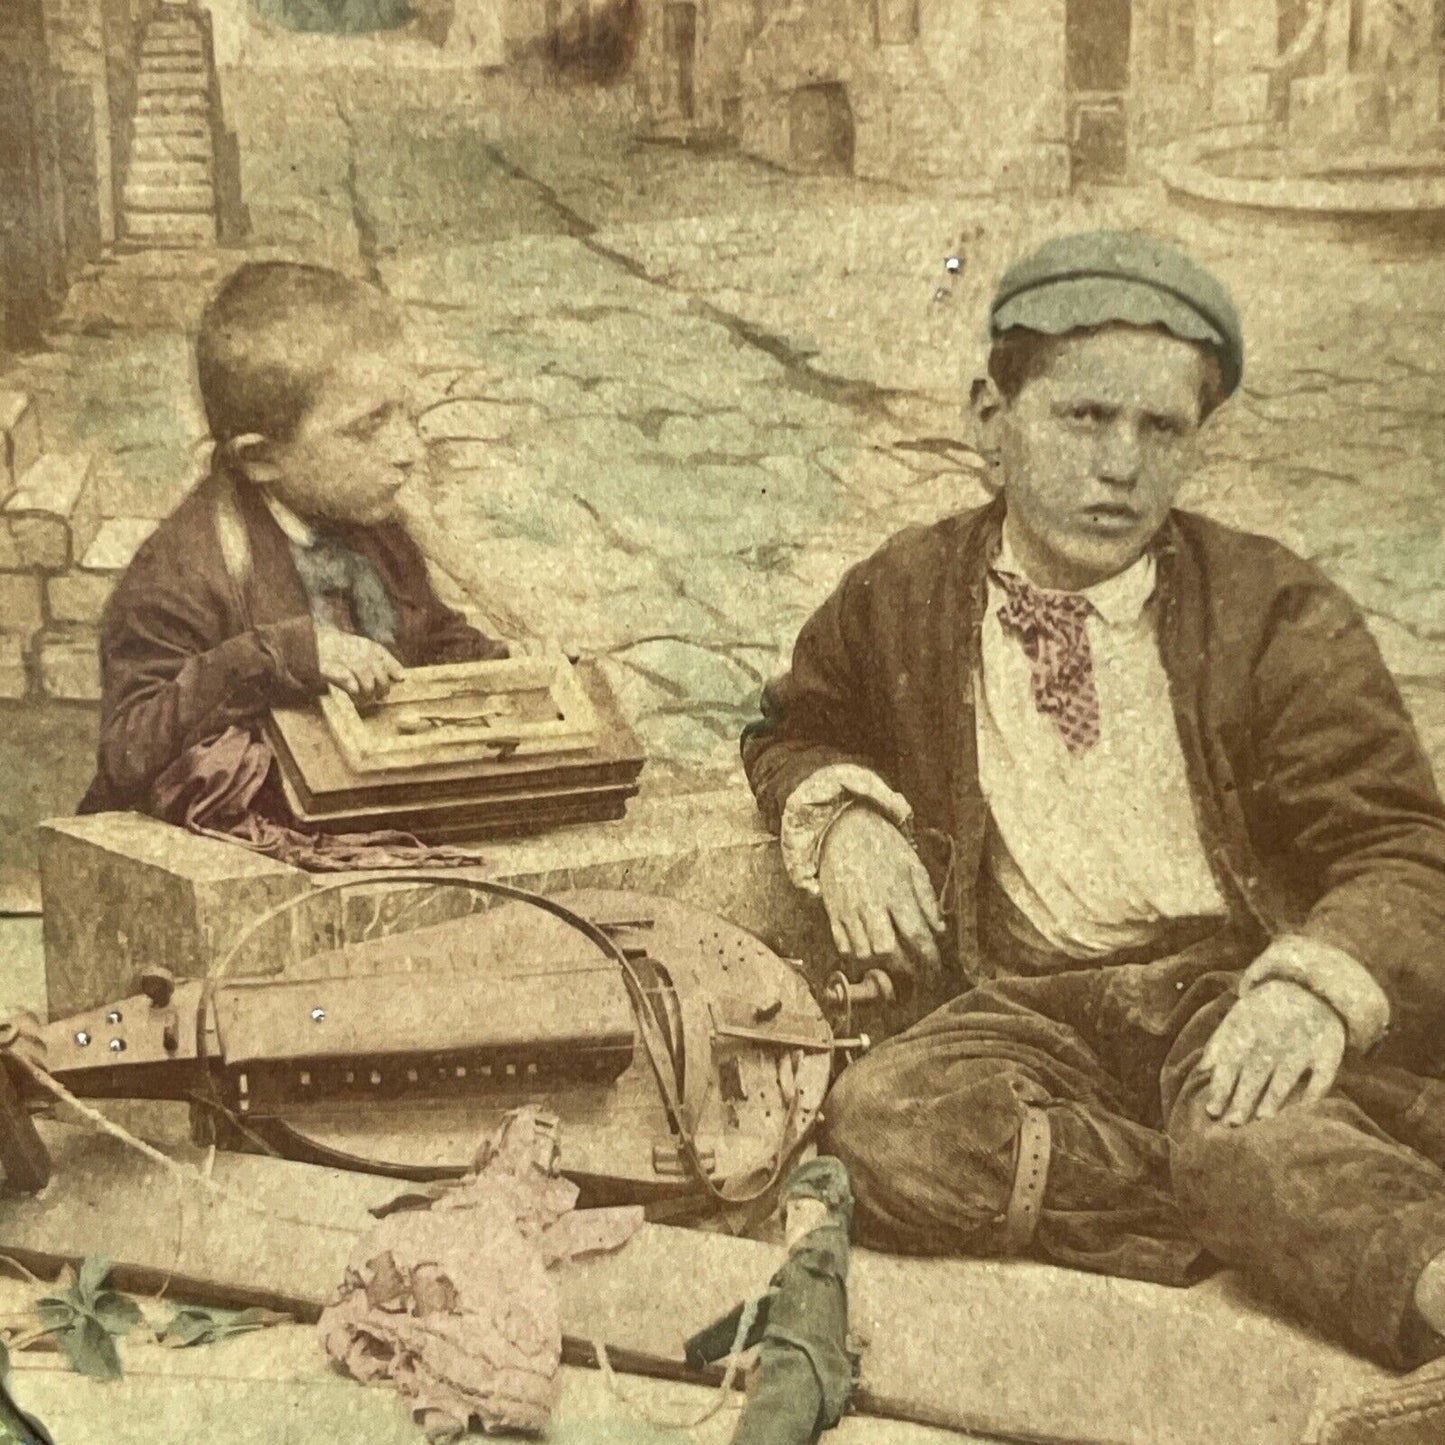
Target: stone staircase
[[59, 560], [170, 195]]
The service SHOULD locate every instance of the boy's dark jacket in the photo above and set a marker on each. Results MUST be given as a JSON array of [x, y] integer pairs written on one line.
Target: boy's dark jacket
[[1316, 805], [183, 657]]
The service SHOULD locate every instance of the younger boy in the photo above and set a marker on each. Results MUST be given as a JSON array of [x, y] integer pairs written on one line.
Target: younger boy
[[286, 569], [1191, 858]]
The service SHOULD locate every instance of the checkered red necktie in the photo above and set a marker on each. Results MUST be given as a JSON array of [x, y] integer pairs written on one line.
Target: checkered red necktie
[[1051, 627]]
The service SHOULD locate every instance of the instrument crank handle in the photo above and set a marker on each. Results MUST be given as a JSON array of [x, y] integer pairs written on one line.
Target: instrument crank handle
[[874, 988]]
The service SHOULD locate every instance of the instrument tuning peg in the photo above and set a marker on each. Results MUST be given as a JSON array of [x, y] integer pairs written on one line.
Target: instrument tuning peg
[[158, 985]]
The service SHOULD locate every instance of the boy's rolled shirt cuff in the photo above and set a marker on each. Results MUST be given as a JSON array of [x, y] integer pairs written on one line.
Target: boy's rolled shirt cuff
[[818, 802], [289, 650], [1331, 974]]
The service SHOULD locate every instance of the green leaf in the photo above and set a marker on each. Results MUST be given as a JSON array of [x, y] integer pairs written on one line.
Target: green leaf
[[93, 1274], [116, 1313], [199, 1325], [55, 1313], [92, 1350], [86, 1318]]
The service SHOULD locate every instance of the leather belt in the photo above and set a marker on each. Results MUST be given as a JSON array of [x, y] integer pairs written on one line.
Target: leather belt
[[1031, 1175]]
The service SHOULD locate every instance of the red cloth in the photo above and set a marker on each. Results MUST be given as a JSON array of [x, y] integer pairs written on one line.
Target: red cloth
[[224, 788], [1052, 628]]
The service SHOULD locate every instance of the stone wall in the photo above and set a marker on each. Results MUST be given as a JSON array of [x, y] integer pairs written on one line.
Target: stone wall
[[66, 94], [911, 91]]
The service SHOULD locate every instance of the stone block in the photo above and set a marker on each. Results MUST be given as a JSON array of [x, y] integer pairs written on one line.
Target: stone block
[[116, 543], [122, 891], [19, 436], [37, 515], [22, 608], [14, 674], [1331, 110], [78, 596], [68, 665]]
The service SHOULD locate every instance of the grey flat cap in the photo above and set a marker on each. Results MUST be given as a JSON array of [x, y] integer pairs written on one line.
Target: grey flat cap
[[1095, 277]]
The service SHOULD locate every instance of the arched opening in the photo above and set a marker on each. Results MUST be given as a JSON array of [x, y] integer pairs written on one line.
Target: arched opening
[[820, 129]]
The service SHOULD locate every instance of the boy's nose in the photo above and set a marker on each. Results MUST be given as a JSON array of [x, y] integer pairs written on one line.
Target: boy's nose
[[1121, 455], [406, 446]]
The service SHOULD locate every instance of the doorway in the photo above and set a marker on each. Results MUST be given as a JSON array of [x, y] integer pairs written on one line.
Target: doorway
[[1097, 37], [820, 130], [679, 39]]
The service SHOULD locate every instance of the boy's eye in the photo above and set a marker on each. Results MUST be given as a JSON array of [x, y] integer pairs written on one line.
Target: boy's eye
[[1088, 412], [367, 427], [1164, 426]]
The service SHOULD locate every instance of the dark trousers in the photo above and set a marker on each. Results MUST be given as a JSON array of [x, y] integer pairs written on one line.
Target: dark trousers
[[1331, 1210]]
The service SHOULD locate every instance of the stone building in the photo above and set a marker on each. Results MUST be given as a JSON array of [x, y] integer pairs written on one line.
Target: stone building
[[992, 96], [67, 93]]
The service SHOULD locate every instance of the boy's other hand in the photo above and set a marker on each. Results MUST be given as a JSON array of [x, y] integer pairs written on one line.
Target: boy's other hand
[[1277, 1038], [364, 669], [880, 902]]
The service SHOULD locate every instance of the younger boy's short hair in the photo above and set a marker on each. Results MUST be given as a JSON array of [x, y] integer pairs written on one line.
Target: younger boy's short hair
[[1020, 355], [270, 337]]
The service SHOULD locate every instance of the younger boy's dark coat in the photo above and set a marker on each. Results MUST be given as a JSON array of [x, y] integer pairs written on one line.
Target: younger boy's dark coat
[[185, 655], [1315, 803]]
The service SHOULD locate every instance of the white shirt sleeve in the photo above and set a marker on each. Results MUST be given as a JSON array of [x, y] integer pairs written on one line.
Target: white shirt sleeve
[[1331, 974], [818, 802]]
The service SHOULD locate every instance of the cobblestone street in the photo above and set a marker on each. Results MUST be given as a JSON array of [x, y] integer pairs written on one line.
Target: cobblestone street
[[670, 394]]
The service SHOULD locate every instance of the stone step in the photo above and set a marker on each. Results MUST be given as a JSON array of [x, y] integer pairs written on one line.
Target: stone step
[[22, 607], [179, 146], [181, 68], [116, 542], [19, 438], [37, 515], [154, 45], [182, 82], [170, 200], [174, 102], [173, 27], [168, 172], [171, 123], [67, 663], [185, 62], [158, 228]]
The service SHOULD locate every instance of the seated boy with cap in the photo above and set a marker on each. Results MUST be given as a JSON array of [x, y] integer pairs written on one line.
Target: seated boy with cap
[[1131, 796], [285, 570]]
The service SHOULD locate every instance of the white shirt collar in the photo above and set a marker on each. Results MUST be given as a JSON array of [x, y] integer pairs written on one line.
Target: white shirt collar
[[297, 529], [1120, 600]]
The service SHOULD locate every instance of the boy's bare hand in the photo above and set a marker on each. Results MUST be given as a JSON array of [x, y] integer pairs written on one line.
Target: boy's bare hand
[[1277, 1036], [363, 668], [880, 901]]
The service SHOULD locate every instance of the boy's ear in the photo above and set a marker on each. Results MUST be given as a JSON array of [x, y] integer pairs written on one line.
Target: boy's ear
[[251, 455], [984, 398], [986, 406]]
